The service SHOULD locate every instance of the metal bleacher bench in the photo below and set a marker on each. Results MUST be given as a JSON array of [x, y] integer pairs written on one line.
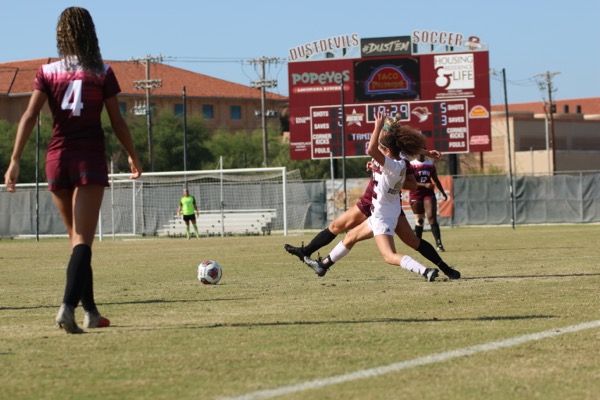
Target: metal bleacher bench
[[228, 223]]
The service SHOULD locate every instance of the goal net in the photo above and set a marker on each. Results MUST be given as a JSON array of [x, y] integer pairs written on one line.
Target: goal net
[[148, 206]]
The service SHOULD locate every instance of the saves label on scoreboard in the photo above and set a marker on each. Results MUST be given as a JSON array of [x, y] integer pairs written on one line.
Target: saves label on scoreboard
[[444, 122]]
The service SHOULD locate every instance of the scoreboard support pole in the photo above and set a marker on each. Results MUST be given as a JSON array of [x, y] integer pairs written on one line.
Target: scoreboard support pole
[[343, 146], [453, 164]]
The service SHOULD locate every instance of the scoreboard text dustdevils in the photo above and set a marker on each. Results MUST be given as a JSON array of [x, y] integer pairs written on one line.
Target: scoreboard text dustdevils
[[444, 95]]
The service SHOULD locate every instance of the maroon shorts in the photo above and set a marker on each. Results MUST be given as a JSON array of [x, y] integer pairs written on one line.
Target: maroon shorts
[[68, 173], [419, 196], [364, 206]]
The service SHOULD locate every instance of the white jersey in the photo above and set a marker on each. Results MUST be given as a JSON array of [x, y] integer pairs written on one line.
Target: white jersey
[[386, 206]]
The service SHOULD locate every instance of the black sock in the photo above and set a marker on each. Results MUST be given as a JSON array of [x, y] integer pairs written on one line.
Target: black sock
[[87, 297], [435, 229], [426, 250], [78, 274], [419, 231], [323, 238]]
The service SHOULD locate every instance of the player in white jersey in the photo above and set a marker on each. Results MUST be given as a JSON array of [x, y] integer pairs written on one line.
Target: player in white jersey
[[386, 206]]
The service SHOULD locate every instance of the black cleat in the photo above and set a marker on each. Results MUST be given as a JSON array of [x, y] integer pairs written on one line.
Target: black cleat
[[440, 248], [430, 274], [316, 265], [296, 251], [451, 272]]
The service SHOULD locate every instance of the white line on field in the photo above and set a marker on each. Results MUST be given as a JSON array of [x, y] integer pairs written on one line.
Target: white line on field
[[431, 359]]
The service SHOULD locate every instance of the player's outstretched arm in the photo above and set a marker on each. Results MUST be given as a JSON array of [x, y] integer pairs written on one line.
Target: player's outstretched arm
[[122, 132], [373, 148], [432, 153]]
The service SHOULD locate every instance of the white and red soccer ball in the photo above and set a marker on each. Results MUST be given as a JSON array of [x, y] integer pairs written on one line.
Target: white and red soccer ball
[[209, 272]]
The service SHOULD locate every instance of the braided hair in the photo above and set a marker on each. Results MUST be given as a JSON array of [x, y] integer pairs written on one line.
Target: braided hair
[[402, 139], [76, 37]]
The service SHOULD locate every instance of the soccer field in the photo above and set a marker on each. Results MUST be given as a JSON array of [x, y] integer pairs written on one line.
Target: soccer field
[[522, 323]]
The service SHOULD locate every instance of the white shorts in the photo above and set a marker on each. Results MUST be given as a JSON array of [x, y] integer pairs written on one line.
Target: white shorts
[[382, 226]]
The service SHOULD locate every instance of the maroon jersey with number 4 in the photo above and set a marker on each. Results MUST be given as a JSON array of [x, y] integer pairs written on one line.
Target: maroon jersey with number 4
[[76, 99]]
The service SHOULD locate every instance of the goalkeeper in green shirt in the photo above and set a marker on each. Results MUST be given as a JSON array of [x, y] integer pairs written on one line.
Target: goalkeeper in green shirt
[[188, 208]]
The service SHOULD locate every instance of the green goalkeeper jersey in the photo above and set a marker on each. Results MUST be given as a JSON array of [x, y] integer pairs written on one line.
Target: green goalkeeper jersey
[[188, 204]]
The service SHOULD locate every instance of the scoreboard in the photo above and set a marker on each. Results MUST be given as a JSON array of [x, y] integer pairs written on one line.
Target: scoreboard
[[333, 102], [444, 122]]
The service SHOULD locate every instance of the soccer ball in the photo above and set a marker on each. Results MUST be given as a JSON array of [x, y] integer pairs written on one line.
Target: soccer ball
[[209, 272]]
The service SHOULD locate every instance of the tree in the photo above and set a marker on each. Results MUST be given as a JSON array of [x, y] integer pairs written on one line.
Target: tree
[[7, 140], [28, 166], [168, 143], [240, 150], [114, 151]]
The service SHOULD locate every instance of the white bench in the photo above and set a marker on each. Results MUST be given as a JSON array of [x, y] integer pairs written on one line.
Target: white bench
[[227, 223]]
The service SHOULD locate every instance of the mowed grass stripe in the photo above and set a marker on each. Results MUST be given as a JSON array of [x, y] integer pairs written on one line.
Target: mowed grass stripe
[[431, 359]]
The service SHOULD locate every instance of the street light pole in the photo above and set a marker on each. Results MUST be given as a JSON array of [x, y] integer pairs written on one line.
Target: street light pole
[[343, 116], [510, 150], [184, 135]]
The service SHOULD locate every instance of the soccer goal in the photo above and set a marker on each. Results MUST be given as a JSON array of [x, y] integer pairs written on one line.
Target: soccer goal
[[230, 201]]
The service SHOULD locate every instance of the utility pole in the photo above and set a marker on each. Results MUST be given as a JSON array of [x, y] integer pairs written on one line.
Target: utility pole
[[263, 84], [547, 84], [148, 84]]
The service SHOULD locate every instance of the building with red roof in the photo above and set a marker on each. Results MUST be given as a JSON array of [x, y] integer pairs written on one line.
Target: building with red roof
[[223, 104]]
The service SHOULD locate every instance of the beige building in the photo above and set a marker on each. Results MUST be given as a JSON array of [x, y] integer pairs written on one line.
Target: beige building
[[576, 139]]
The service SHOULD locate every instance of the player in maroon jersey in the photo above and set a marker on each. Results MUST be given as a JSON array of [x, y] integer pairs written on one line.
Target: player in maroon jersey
[[77, 88], [360, 212], [423, 201]]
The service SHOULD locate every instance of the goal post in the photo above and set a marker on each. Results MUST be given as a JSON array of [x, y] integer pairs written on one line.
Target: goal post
[[148, 205]]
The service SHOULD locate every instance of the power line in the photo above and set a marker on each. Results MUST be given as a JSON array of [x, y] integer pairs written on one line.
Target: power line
[[549, 108], [263, 84], [147, 85], [207, 60]]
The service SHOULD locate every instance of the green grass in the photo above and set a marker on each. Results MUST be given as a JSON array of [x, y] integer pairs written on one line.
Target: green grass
[[271, 322]]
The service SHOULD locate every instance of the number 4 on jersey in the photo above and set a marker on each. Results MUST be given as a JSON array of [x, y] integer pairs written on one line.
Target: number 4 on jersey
[[72, 99]]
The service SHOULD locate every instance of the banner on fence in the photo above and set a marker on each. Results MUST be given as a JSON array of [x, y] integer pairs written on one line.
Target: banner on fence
[[445, 207], [356, 187]]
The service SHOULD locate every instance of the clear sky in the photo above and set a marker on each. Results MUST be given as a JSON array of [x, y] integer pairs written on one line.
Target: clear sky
[[217, 38]]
